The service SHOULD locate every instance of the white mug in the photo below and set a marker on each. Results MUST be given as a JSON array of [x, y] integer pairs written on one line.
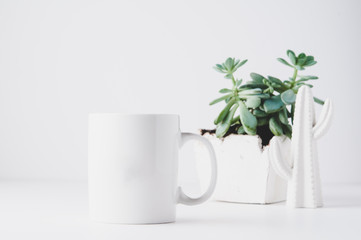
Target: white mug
[[133, 164]]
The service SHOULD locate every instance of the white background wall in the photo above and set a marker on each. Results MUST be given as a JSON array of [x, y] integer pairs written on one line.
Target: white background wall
[[60, 60]]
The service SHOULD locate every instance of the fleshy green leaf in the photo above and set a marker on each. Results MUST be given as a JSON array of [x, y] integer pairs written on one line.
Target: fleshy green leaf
[[288, 97], [292, 56], [219, 70], [300, 84], [282, 115], [253, 85], [220, 99], [274, 80], [301, 59], [223, 126], [219, 66], [259, 113], [239, 82], [309, 59], [228, 76], [275, 127], [287, 130], [257, 78], [236, 62], [241, 130], [249, 122], [253, 102], [305, 78], [253, 91], [240, 64], [319, 101], [299, 67], [225, 90], [235, 120], [225, 111], [273, 104], [310, 64], [284, 62], [229, 63], [262, 121]]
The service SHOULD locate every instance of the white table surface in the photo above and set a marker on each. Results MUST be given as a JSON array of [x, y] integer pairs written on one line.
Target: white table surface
[[59, 210]]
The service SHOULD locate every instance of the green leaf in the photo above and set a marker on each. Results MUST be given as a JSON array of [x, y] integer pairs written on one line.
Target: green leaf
[[235, 120], [225, 90], [301, 59], [253, 85], [310, 64], [229, 76], [239, 82], [296, 87], [249, 122], [282, 116], [299, 67], [223, 127], [309, 59], [253, 102], [284, 62], [219, 70], [219, 66], [287, 130], [273, 104], [263, 95], [225, 111], [305, 78], [241, 130], [275, 80], [229, 63], [275, 127], [259, 113], [220, 99], [236, 62], [288, 97], [262, 121], [257, 78], [240, 64], [319, 101], [251, 91], [292, 56], [300, 84]]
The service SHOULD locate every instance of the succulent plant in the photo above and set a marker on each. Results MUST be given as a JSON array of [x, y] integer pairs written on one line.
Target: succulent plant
[[262, 103]]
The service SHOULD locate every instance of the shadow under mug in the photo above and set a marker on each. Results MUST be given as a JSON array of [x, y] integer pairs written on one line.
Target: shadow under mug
[[133, 168]]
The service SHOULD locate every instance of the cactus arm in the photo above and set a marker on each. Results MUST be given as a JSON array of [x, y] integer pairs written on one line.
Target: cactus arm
[[279, 163], [325, 120]]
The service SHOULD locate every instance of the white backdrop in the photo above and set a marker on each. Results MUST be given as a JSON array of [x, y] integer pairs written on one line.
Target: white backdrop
[[60, 60]]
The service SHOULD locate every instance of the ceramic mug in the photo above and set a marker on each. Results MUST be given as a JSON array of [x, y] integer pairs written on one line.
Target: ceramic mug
[[133, 164]]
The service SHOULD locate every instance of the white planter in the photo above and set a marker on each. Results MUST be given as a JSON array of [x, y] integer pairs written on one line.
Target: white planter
[[245, 174]]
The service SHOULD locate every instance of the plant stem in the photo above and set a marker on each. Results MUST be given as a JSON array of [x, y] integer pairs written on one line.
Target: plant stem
[[295, 74], [233, 81]]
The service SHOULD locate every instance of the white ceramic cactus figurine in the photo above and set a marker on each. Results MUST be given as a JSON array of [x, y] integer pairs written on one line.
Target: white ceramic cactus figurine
[[300, 168]]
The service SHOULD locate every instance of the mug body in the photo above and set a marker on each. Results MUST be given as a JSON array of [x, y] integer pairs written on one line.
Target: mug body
[[133, 165]]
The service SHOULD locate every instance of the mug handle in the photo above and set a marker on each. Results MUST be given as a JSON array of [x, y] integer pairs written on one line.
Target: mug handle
[[183, 198]]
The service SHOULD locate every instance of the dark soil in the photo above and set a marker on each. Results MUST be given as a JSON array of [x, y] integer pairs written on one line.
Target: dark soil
[[263, 132]]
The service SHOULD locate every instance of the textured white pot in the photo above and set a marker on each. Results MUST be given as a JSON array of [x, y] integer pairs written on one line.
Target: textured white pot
[[245, 174]]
